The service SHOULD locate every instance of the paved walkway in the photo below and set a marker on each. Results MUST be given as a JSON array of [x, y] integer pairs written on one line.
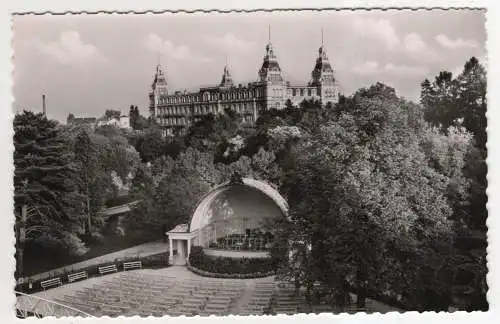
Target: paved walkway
[[135, 251]]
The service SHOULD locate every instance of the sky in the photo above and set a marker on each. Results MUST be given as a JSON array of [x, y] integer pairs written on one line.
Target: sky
[[85, 64]]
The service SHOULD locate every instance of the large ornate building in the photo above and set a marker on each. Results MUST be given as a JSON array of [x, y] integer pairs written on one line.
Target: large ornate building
[[176, 111]]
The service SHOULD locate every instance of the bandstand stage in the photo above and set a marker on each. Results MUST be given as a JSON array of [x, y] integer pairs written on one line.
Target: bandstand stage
[[235, 219]]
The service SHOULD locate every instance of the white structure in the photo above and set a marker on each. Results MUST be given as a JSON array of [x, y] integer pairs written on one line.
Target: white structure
[[232, 208], [122, 122]]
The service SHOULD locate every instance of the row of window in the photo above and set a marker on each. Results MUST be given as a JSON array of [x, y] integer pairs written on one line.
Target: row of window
[[328, 79], [274, 77], [247, 94], [247, 119], [183, 121], [170, 132], [329, 93], [303, 92], [277, 92], [183, 110], [170, 121]]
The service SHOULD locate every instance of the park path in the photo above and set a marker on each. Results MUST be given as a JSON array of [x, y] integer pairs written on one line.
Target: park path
[[135, 251]]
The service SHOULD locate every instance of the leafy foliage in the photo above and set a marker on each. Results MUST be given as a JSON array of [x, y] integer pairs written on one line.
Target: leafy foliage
[[167, 189], [452, 103], [372, 192], [110, 114], [46, 180]]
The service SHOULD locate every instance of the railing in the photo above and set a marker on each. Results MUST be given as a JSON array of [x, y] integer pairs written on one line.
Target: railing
[[30, 305]]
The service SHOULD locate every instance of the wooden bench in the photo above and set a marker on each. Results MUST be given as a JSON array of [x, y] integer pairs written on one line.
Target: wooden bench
[[77, 276], [108, 269], [51, 282], [132, 265]]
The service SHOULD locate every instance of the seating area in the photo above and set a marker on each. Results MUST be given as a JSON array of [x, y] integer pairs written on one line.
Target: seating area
[[260, 299], [131, 293], [107, 269], [77, 276], [176, 291], [286, 301], [51, 283], [132, 265]]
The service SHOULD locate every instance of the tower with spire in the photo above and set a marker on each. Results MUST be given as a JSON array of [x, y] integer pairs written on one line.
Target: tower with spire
[[176, 111], [323, 77], [159, 90], [227, 80], [270, 74]]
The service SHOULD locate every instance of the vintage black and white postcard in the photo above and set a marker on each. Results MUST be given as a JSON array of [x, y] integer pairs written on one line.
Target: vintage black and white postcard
[[250, 163]]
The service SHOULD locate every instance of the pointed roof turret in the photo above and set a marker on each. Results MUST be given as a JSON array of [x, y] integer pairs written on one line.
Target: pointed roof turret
[[270, 70], [227, 80], [160, 78], [323, 71]]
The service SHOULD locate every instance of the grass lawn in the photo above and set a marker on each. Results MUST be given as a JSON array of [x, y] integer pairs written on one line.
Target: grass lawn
[[38, 260]]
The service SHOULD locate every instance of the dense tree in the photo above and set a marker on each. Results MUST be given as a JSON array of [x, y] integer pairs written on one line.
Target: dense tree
[[86, 159], [216, 133], [362, 189], [137, 121], [262, 165], [45, 181], [133, 115], [457, 102], [141, 123], [168, 187], [150, 145], [110, 114]]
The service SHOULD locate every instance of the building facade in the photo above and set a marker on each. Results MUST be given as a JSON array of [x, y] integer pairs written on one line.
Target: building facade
[[122, 122], [82, 121], [176, 111]]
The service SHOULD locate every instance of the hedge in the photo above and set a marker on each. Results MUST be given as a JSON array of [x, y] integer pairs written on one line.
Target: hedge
[[159, 260], [230, 275], [226, 267]]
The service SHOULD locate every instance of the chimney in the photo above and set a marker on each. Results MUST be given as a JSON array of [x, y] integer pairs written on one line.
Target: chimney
[[43, 105]]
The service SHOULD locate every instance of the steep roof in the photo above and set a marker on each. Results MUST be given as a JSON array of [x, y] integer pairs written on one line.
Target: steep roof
[[322, 67]]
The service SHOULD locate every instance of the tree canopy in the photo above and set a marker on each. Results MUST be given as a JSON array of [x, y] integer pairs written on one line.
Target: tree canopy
[[46, 181]]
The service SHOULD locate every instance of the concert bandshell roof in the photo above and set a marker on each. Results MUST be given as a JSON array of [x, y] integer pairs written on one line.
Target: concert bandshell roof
[[201, 215]]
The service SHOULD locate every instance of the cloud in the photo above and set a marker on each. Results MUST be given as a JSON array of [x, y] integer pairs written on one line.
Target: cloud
[[380, 29], [156, 44], [404, 70], [413, 43], [230, 42], [446, 42], [415, 46], [367, 68], [69, 48], [372, 68]]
